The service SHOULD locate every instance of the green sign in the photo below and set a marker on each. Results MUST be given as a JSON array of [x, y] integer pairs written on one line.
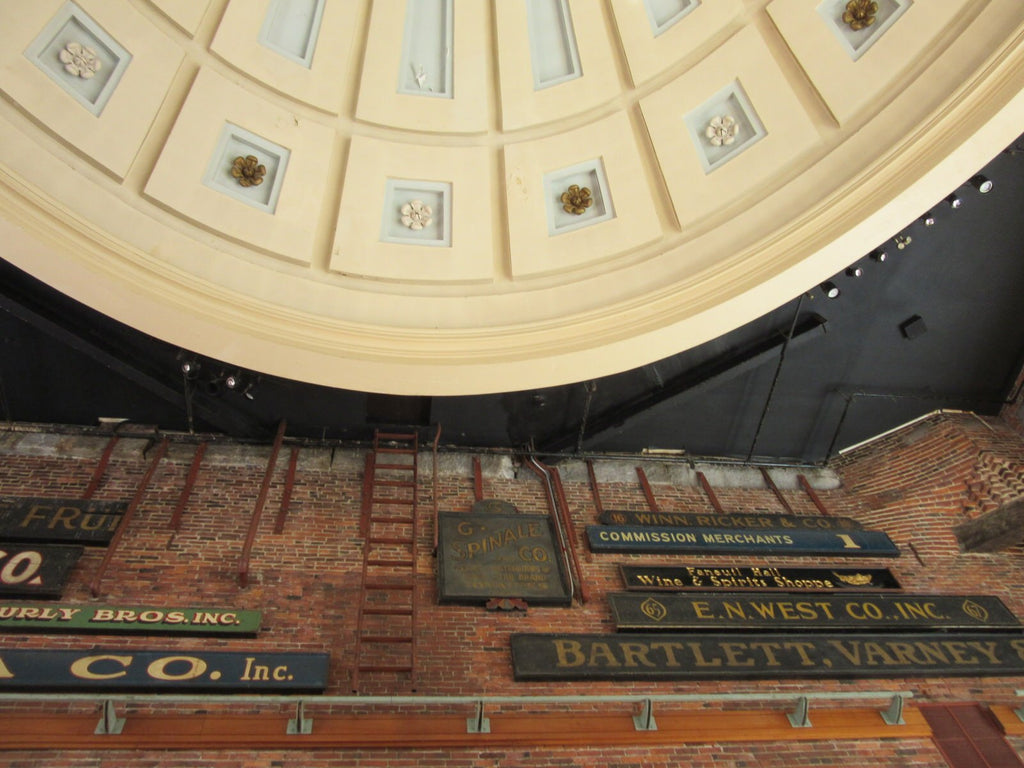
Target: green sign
[[40, 617]]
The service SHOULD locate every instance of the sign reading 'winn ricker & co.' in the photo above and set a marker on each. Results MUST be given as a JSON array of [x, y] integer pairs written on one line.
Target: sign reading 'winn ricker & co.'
[[774, 541], [764, 656], [484, 556], [171, 670], [750, 522], [776, 611]]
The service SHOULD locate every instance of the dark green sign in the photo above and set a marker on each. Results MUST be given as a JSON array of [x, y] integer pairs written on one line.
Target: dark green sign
[[753, 656], [738, 522], [483, 556], [127, 620], [35, 571], [774, 611], [81, 521], [668, 578], [156, 671], [776, 541]]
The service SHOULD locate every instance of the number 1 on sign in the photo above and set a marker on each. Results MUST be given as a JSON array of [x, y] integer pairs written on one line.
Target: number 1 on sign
[[848, 543]]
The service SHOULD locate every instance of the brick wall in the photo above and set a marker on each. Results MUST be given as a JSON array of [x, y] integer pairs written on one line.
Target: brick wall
[[915, 483]]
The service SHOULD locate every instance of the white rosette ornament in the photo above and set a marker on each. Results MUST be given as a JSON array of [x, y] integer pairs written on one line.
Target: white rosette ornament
[[416, 214]]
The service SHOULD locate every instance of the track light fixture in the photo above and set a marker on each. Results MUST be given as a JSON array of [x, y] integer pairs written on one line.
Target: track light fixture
[[878, 255], [190, 368], [902, 241], [830, 289], [954, 201], [928, 219], [854, 271], [982, 183], [233, 380]]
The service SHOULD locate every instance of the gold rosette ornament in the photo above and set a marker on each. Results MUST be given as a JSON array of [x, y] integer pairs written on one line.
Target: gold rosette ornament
[[860, 14], [576, 199], [248, 171]]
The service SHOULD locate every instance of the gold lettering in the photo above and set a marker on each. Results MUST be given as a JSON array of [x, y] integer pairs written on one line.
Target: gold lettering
[[956, 650], [65, 515], [768, 649], [81, 667], [33, 514], [702, 609], [5, 673], [569, 653], [698, 657], [599, 651], [632, 653], [801, 649], [669, 649], [158, 669], [735, 655]]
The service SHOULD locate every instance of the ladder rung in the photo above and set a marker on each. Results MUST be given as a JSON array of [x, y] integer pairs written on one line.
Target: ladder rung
[[395, 483], [384, 639], [385, 585], [396, 435], [385, 668], [387, 611], [407, 451], [391, 563], [378, 500], [395, 466], [390, 540]]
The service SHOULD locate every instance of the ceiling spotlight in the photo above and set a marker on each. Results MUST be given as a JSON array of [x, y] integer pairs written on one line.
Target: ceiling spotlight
[[190, 368], [830, 289], [954, 201], [981, 183], [878, 255], [928, 219], [902, 241], [233, 381], [854, 271]]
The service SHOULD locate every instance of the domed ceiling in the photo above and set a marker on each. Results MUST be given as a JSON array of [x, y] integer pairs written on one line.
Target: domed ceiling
[[450, 197]]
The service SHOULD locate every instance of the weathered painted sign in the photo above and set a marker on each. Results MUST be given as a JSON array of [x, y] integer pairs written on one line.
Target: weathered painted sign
[[741, 522], [35, 571], [608, 538], [752, 656], [483, 556], [778, 612], [82, 521], [27, 617], [668, 578], [156, 671]]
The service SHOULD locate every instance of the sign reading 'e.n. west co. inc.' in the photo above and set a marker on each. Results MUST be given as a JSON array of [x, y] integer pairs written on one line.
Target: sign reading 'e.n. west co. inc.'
[[39, 617], [775, 541], [170, 670], [81, 521], [774, 611], [750, 656]]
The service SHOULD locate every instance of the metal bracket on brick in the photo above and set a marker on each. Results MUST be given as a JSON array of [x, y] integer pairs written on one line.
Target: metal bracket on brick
[[300, 724], [110, 724], [478, 723], [645, 720]]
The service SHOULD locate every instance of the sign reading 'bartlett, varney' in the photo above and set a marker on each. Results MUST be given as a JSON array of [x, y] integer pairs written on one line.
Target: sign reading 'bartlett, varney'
[[633, 610], [751, 656], [621, 538]]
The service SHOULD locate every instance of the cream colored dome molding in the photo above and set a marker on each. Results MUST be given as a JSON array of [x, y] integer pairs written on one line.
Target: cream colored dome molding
[[114, 188]]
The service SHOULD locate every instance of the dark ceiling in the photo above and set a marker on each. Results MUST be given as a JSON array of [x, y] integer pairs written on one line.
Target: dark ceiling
[[936, 325]]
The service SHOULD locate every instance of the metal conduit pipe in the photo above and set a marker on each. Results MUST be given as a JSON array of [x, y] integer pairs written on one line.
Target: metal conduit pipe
[[542, 471]]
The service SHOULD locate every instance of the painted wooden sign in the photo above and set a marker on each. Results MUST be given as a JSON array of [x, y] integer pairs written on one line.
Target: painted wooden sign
[[156, 671], [483, 556], [669, 578], [751, 656], [50, 618], [608, 538], [35, 571], [80, 521], [752, 522], [778, 612]]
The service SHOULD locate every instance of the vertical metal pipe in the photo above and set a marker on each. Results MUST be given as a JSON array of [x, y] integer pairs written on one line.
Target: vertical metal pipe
[[570, 532], [97, 474], [437, 439], [646, 487], [594, 489], [775, 489], [286, 498], [710, 492], [190, 481], [813, 494], [254, 522], [126, 520], [544, 474], [364, 508]]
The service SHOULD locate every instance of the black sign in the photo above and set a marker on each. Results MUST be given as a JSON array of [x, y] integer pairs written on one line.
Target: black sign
[[666, 578], [82, 521], [764, 656], [27, 571], [486, 556], [784, 612], [608, 538], [741, 522], [155, 671]]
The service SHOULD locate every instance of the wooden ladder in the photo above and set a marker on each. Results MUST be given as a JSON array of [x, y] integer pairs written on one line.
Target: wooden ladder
[[386, 622]]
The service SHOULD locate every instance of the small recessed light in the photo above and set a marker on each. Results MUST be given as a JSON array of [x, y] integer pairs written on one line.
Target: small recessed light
[[954, 201], [902, 241], [854, 271], [982, 183], [878, 255], [830, 289], [928, 219]]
